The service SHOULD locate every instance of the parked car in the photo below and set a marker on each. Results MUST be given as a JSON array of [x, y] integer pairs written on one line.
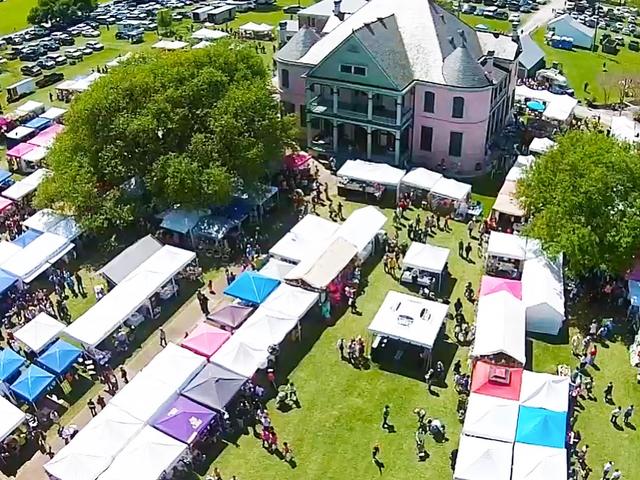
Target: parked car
[[30, 54], [15, 40], [95, 45], [13, 54], [501, 15], [31, 70], [67, 40], [58, 59], [90, 33], [49, 79], [514, 18], [73, 54], [292, 9], [468, 8], [46, 63]]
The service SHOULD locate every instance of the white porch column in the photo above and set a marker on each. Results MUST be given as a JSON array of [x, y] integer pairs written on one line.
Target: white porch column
[[334, 92], [368, 143], [369, 105], [398, 110], [397, 149], [309, 135], [335, 137]]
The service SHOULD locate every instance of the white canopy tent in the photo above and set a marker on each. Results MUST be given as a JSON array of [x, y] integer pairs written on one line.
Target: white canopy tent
[[144, 396], [207, 34], [10, 418], [541, 145], [46, 220], [543, 295], [506, 203], [24, 187], [424, 256], [481, 459], [263, 329], [277, 269], [8, 250], [175, 366], [557, 106], [146, 457], [421, 178], [505, 245], [170, 45], [409, 319], [113, 309], [39, 332], [493, 418], [500, 327], [370, 172], [239, 357], [202, 44], [31, 106], [37, 256], [93, 449], [255, 27], [288, 301], [361, 228], [34, 157], [625, 129], [304, 238], [535, 462], [543, 390], [54, 113], [453, 189]]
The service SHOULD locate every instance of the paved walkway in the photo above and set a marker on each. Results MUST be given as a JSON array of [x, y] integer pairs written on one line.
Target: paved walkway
[[541, 17], [175, 327]]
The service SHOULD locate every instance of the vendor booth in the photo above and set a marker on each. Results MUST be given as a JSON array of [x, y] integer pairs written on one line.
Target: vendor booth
[[288, 301], [424, 265], [31, 107], [14, 155], [421, 181], [489, 285], [19, 135], [230, 316], [362, 228], [407, 319], [482, 459], [538, 426], [151, 282], [11, 417], [507, 209], [543, 390], [496, 380], [500, 328], [93, 449], [6, 281], [369, 178], [10, 363], [175, 366], [262, 330], [451, 197], [251, 287], [146, 457], [304, 239], [47, 137], [214, 233], [534, 462], [208, 34], [185, 420], [33, 159], [54, 114], [240, 358], [276, 269], [205, 340], [144, 396], [48, 221], [59, 357], [130, 259], [38, 123], [489, 417], [214, 386], [505, 255], [32, 384], [25, 187], [543, 295], [258, 31], [179, 224]]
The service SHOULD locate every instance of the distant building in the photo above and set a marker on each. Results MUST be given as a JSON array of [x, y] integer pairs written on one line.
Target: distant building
[[566, 26], [398, 81], [531, 59]]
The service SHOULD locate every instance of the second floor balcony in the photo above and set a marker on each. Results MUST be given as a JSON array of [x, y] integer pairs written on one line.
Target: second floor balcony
[[380, 115]]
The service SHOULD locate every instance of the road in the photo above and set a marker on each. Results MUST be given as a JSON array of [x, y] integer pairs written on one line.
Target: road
[[541, 17]]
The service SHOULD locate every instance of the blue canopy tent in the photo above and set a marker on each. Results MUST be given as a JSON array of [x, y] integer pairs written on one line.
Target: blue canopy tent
[[213, 227], [6, 281], [252, 287], [182, 221], [32, 384], [535, 106], [4, 176], [39, 123], [538, 426], [26, 238], [59, 357], [634, 292], [237, 211], [10, 363]]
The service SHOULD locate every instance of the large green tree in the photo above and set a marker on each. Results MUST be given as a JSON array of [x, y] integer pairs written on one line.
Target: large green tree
[[583, 198], [60, 11], [193, 125]]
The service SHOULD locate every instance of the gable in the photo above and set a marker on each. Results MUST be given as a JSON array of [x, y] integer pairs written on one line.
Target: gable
[[352, 52]]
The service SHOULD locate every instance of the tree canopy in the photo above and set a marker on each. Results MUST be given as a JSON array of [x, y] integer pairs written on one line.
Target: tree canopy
[[194, 126], [59, 11], [583, 199]]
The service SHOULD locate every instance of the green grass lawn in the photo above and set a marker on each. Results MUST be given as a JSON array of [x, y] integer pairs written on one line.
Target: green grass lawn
[[493, 23], [580, 66], [13, 15], [332, 434]]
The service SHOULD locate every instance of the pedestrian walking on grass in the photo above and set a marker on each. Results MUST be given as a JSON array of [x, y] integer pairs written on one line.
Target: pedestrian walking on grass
[[628, 412], [92, 407], [163, 338], [385, 417], [470, 226], [460, 248], [79, 284], [123, 375], [467, 250], [606, 470], [101, 402], [615, 414], [287, 452], [340, 347], [617, 475], [608, 392]]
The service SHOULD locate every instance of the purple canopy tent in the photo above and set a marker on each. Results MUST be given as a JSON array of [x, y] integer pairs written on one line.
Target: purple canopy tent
[[232, 315], [184, 420]]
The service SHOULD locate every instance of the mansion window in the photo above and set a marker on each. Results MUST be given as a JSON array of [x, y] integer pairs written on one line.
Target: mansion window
[[429, 102], [455, 144], [426, 138], [458, 107], [353, 70]]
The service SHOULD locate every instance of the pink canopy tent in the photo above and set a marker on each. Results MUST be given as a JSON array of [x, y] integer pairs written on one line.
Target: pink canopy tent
[[297, 160], [205, 340], [490, 285], [5, 203], [47, 136], [19, 150]]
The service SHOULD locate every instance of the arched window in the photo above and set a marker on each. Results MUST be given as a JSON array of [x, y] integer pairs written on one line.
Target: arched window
[[458, 107]]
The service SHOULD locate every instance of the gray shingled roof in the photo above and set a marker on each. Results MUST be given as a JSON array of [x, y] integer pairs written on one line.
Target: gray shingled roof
[[460, 69], [298, 46], [531, 52], [566, 18]]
